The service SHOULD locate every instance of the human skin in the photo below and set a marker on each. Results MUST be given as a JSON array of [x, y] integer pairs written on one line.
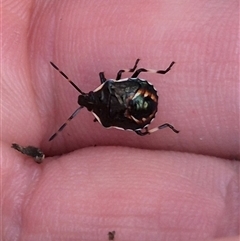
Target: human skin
[[164, 186]]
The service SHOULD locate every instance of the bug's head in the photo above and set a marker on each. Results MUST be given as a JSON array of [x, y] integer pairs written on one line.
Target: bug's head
[[87, 100]]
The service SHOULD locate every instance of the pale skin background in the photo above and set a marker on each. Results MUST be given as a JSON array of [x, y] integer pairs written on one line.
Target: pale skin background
[[165, 186]]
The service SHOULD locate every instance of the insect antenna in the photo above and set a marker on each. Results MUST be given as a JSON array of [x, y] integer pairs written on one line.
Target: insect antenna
[[66, 77], [68, 120]]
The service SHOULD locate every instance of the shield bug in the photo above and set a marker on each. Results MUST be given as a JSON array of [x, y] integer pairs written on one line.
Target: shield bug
[[127, 104]]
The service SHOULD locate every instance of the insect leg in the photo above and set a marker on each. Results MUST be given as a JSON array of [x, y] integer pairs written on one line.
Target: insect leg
[[102, 77], [64, 125], [66, 77], [166, 125], [119, 74], [138, 71]]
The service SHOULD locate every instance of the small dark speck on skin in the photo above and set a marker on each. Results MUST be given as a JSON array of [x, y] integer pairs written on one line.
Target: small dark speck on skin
[[111, 235], [32, 151]]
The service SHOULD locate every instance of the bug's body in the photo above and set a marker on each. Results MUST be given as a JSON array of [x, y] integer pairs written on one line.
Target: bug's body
[[129, 104]]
